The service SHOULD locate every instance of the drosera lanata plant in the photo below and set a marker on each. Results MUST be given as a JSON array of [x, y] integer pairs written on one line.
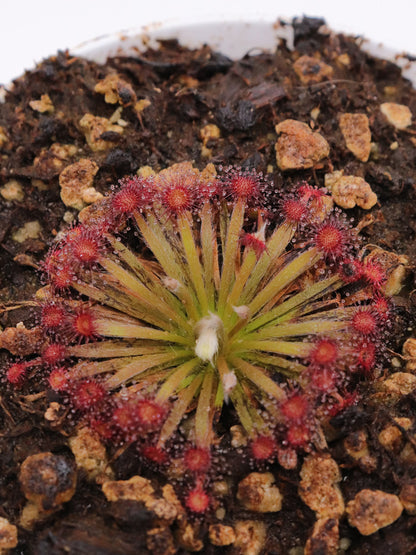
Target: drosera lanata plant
[[193, 292]]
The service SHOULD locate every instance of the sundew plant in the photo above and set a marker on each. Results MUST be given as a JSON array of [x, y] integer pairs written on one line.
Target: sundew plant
[[199, 294]]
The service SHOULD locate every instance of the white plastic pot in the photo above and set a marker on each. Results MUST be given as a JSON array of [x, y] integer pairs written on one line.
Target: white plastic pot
[[234, 38]]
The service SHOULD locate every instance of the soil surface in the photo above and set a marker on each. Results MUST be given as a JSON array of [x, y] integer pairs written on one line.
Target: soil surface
[[163, 102]]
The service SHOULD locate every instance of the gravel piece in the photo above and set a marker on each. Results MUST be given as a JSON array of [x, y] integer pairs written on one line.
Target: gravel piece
[[312, 70], [356, 131], [257, 493], [298, 147], [349, 191], [397, 115], [318, 488], [324, 538], [75, 180], [371, 510]]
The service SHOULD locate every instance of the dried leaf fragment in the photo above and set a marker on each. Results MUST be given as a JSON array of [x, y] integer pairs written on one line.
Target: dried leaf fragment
[[207, 133]]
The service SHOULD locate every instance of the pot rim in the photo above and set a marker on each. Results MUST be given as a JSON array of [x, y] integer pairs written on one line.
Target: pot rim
[[231, 36]]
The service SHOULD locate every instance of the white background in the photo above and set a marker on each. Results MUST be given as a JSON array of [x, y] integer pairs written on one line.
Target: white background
[[32, 29]]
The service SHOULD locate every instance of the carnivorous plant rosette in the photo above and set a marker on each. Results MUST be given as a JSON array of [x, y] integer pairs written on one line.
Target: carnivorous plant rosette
[[191, 292]]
